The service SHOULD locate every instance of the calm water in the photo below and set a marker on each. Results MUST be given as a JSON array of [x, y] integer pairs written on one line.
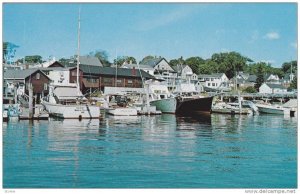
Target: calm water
[[220, 151]]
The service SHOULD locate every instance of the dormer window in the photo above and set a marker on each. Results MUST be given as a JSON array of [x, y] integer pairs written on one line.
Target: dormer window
[[37, 76]]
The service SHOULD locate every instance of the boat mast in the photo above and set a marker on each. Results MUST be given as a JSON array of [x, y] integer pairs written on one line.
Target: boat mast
[[78, 53]]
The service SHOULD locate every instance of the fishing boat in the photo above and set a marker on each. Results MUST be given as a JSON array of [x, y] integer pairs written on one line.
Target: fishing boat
[[272, 109], [193, 105], [189, 101], [118, 106], [160, 97], [66, 100]]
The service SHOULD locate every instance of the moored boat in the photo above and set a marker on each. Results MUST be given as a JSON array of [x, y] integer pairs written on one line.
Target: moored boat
[[64, 101], [272, 109], [193, 105], [162, 98]]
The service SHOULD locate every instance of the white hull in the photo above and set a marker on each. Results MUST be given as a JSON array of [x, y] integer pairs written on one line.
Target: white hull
[[272, 109], [167, 105], [123, 111], [75, 111]]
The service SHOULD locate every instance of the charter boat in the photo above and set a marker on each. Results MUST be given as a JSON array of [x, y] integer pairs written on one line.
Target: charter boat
[[190, 102], [118, 106], [64, 101], [272, 109], [160, 97]]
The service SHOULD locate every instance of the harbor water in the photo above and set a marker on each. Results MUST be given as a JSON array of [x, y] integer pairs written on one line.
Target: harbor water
[[163, 151]]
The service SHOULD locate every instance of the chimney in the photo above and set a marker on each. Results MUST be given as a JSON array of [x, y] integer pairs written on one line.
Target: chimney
[[133, 72]]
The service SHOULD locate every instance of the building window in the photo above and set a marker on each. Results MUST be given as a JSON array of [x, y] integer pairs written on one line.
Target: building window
[[119, 81], [91, 80], [37, 76], [107, 80], [130, 81], [213, 84], [208, 84], [45, 86]]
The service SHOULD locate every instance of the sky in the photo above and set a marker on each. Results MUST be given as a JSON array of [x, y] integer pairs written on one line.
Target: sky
[[260, 31]]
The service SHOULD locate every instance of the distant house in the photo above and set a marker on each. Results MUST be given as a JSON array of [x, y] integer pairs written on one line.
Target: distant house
[[244, 81], [145, 68], [267, 88], [20, 80], [216, 81], [271, 78], [287, 79], [162, 70]]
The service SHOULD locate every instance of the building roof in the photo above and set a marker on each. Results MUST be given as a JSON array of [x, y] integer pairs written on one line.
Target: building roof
[[131, 66], [252, 78], [20, 74], [179, 68], [153, 62], [279, 86], [214, 75], [123, 72], [88, 60]]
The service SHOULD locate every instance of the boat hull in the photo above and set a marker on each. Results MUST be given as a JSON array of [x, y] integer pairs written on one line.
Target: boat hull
[[194, 105], [123, 111], [271, 110], [82, 111], [167, 105]]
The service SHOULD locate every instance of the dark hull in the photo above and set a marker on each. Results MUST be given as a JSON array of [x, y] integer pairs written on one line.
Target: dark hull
[[194, 106]]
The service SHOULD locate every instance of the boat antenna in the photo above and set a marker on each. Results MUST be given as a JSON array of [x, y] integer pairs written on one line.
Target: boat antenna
[[78, 53], [116, 63]]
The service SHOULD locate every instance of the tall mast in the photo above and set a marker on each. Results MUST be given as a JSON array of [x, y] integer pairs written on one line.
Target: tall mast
[[78, 54]]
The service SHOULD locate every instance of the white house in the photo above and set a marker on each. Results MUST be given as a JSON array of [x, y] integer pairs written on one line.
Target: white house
[[58, 75], [162, 70], [267, 88], [271, 78], [216, 81]]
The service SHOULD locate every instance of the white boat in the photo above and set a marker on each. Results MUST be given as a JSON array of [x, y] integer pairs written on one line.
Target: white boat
[[122, 111], [64, 101], [230, 108], [272, 109], [160, 97]]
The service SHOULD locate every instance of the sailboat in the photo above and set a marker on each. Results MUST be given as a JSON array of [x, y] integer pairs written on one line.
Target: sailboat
[[66, 100]]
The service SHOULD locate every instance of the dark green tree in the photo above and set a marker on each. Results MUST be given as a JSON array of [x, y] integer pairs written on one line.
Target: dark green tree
[[286, 67], [260, 77], [124, 59], [102, 55], [147, 58], [250, 89], [194, 63], [294, 83], [33, 59]]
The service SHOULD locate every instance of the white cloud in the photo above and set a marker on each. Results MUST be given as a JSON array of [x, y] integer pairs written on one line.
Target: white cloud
[[272, 36]]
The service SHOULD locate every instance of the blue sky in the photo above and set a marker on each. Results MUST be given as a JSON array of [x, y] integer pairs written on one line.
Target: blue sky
[[261, 31]]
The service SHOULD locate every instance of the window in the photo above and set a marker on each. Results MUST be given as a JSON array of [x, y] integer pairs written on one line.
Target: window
[[37, 76], [107, 80], [119, 81], [213, 84], [130, 81], [45, 86], [208, 84]]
